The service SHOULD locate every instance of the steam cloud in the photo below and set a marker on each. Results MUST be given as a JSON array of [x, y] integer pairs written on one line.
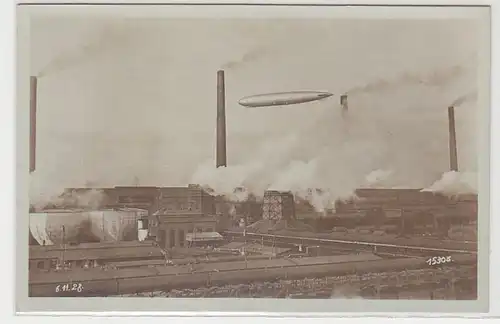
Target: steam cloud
[[455, 183], [88, 199], [374, 148]]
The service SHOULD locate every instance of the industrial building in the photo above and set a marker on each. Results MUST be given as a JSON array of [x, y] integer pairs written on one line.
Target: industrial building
[[195, 238]]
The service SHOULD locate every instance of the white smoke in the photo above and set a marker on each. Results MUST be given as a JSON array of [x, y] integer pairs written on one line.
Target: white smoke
[[41, 193], [155, 119], [56, 195], [92, 198], [455, 183], [395, 140], [377, 177]]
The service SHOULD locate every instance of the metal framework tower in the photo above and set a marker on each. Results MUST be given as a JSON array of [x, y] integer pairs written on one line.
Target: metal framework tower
[[278, 206]]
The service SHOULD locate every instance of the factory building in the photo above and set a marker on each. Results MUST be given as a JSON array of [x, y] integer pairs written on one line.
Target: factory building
[[182, 211], [173, 212], [132, 197]]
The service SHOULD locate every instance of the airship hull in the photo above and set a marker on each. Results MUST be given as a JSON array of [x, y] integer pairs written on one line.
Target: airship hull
[[283, 98]]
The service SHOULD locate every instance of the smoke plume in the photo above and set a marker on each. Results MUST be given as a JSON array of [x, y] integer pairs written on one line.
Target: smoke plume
[[107, 39], [131, 114], [248, 57], [470, 97], [395, 138], [437, 78], [455, 183], [57, 196]]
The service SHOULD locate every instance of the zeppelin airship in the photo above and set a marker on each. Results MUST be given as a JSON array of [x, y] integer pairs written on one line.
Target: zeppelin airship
[[283, 98]]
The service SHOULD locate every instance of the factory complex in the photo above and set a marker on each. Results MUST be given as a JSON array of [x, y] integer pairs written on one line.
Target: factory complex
[[192, 242], [189, 239]]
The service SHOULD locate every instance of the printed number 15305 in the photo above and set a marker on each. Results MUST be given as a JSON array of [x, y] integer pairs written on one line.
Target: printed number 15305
[[438, 260]]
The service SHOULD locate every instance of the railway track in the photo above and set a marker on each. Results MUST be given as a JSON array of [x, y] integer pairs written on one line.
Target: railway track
[[367, 245], [107, 283], [327, 287]]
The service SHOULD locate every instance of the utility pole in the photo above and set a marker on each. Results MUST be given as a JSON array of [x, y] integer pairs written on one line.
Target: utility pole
[[103, 229], [64, 244]]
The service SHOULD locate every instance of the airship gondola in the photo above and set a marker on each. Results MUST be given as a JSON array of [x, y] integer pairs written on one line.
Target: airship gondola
[[283, 98]]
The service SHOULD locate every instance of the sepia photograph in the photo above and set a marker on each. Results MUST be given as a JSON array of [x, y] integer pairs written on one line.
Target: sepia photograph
[[252, 155]]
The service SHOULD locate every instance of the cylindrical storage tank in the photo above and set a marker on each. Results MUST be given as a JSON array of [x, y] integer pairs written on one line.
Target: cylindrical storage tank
[[116, 225], [56, 226]]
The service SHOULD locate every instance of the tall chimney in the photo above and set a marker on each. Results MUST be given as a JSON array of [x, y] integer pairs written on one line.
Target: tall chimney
[[221, 120], [33, 93], [343, 103], [453, 139]]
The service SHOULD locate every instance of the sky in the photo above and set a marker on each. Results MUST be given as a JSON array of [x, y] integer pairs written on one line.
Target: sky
[[121, 101]]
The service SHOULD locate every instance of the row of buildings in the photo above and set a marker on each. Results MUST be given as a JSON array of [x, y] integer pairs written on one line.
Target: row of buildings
[[177, 216]]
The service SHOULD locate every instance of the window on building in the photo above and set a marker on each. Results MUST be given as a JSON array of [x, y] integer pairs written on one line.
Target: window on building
[[182, 237], [40, 265], [172, 238], [162, 238], [135, 199]]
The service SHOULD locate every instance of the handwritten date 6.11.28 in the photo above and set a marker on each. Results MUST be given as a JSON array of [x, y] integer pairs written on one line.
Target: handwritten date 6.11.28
[[78, 287], [438, 260]]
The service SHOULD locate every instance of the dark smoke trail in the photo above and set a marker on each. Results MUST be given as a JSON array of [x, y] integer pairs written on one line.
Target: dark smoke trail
[[249, 56], [472, 96], [107, 39], [435, 79]]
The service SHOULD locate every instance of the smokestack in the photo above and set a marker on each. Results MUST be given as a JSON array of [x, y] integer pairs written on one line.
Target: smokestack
[[221, 120], [33, 93], [343, 103], [453, 139]]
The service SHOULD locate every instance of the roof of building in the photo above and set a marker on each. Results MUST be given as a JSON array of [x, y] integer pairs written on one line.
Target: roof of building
[[96, 245], [102, 251], [263, 249], [204, 236], [362, 257], [254, 248], [232, 246]]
